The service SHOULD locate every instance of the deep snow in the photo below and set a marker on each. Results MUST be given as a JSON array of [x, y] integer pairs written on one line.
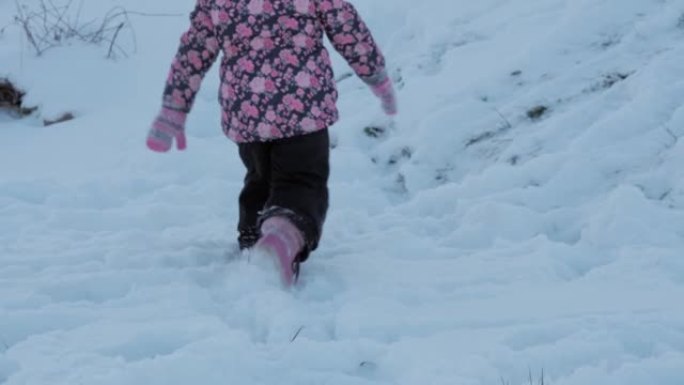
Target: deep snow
[[469, 244]]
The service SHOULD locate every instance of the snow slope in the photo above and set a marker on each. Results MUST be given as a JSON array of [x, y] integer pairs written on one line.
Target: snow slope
[[468, 244]]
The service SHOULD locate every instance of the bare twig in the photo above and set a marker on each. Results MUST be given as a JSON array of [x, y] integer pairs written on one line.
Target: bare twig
[[49, 25], [507, 123], [111, 44], [53, 23], [542, 377], [67, 116], [671, 133], [78, 12], [296, 334], [530, 375], [22, 20], [60, 14]]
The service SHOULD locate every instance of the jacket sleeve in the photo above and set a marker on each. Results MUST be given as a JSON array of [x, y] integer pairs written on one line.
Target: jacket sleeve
[[352, 39], [198, 50]]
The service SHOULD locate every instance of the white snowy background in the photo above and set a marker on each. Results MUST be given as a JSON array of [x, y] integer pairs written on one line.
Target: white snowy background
[[467, 244]]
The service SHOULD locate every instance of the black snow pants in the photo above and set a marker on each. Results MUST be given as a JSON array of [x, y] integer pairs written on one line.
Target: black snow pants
[[286, 177]]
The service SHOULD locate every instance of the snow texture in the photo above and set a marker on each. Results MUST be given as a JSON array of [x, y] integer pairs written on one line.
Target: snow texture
[[524, 212]]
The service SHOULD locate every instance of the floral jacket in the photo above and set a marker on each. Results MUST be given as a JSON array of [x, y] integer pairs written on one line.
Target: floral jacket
[[276, 76]]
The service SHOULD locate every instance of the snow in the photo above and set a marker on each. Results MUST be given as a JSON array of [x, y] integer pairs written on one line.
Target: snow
[[468, 244]]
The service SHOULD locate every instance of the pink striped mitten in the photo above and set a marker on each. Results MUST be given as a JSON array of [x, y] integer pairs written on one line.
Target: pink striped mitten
[[167, 126]]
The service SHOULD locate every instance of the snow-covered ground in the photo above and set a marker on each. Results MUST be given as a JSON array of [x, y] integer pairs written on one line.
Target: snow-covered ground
[[468, 244]]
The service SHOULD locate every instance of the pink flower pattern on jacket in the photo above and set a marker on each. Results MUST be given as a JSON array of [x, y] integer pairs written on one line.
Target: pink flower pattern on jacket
[[276, 75]]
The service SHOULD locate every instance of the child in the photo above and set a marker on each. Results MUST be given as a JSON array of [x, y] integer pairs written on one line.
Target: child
[[278, 99]]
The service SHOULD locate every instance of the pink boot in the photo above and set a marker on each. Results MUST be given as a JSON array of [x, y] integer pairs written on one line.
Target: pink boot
[[281, 239]]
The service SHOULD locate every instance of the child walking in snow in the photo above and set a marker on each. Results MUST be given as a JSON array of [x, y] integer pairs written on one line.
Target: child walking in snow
[[278, 98]]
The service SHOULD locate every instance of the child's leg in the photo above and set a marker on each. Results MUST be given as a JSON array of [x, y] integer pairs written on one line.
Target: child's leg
[[299, 185], [256, 158]]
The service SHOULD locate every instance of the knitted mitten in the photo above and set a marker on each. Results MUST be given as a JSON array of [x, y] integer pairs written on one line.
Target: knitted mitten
[[384, 90], [167, 126]]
